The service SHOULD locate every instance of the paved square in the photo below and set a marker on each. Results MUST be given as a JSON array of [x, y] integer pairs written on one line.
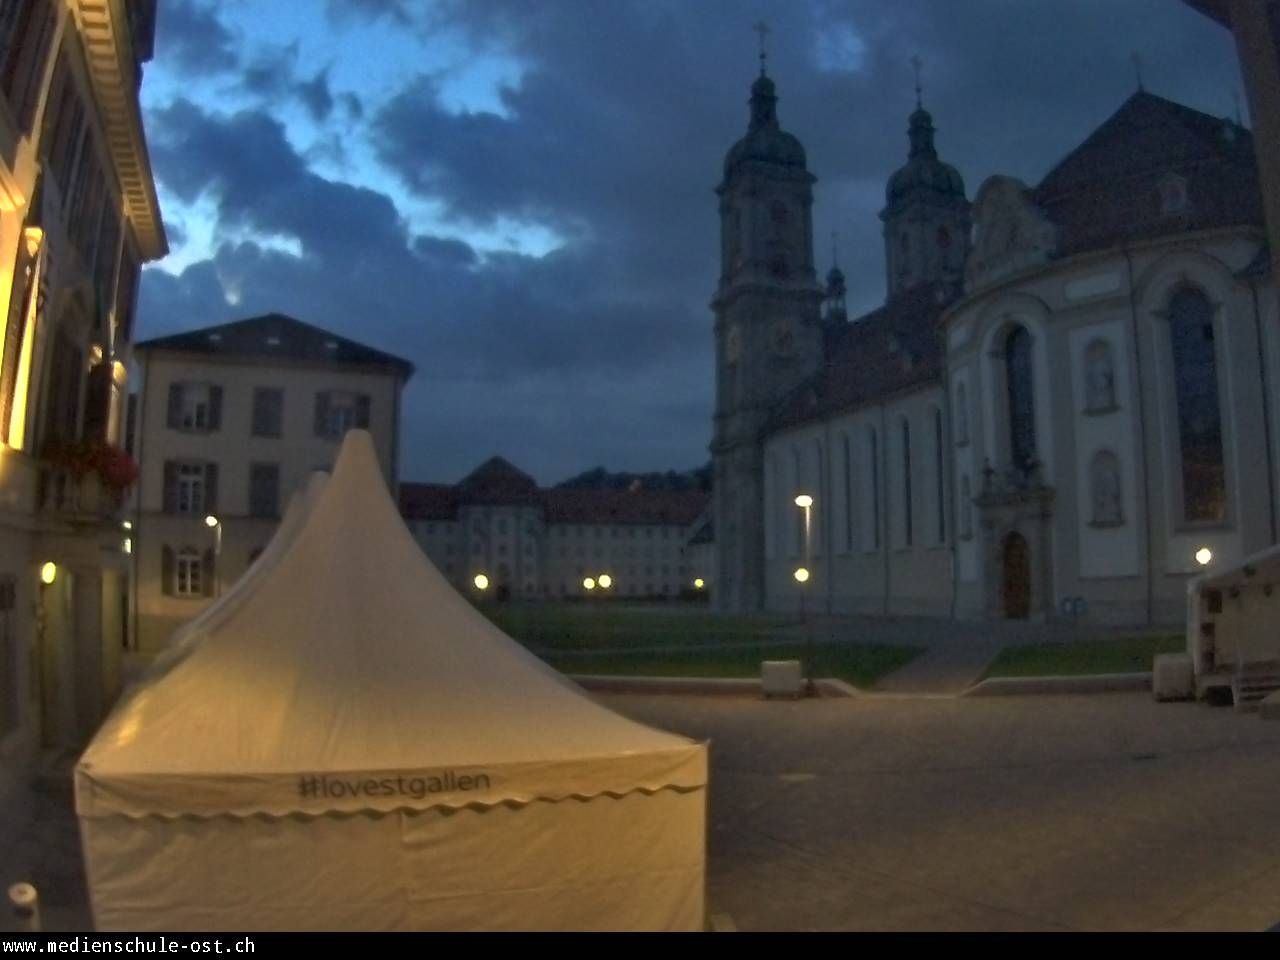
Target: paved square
[[1012, 813]]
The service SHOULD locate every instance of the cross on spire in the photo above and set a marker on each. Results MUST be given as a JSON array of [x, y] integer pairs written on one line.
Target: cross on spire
[[1137, 66], [916, 64], [762, 29]]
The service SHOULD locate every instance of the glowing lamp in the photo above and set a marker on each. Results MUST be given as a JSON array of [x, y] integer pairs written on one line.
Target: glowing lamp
[[481, 582], [211, 521], [588, 584], [49, 573], [1204, 556], [801, 575], [804, 501], [605, 581], [699, 583]]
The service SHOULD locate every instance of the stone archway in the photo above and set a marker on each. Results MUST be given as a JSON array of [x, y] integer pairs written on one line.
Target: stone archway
[[1015, 571]]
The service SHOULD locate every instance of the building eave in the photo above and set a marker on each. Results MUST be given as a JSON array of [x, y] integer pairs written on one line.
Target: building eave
[[108, 50]]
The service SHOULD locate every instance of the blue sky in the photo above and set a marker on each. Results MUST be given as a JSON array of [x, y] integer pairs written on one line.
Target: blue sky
[[517, 196]]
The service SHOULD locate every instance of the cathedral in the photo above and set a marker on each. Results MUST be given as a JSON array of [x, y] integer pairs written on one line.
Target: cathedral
[[1066, 406]]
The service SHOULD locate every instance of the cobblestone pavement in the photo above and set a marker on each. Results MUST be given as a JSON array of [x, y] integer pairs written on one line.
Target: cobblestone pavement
[[1103, 812]]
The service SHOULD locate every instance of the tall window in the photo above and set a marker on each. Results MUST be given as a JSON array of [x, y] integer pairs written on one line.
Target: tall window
[[940, 488], [848, 496], [188, 580], [906, 483], [264, 490], [268, 411], [190, 487], [962, 414], [339, 411], [1022, 411], [1199, 417], [195, 406], [797, 522], [873, 498]]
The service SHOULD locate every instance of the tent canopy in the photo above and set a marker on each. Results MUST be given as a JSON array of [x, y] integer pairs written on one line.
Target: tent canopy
[[353, 677]]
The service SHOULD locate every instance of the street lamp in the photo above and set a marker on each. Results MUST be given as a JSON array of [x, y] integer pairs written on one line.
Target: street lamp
[[214, 524], [481, 582], [805, 502], [588, 584], [699, 583], [605, 581], [1204, 556]]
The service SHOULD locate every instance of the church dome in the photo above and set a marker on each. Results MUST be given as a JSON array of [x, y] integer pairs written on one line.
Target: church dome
[[924, 171], [765, 141]]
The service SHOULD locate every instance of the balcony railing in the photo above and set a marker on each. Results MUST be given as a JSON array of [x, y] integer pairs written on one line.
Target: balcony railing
[[78, 499]]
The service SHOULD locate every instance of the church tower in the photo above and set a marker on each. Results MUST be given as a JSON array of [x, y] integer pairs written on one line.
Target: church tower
[[768, 331], [926, 215]]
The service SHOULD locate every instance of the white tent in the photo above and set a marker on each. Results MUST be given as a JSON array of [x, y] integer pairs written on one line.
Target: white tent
[[355, 747], [1232, 617]]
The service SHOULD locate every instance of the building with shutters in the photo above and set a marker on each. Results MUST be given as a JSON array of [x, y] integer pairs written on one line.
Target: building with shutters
[[231, 421], [530, 542], [78, 215]]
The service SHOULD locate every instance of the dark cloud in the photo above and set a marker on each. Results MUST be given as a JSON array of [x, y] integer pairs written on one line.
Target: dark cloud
[[601, 351], [270, 74], [193, 39], [316, 96]]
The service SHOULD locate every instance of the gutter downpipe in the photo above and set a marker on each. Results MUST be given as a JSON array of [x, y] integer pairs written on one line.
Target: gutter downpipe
[[1142, 428]]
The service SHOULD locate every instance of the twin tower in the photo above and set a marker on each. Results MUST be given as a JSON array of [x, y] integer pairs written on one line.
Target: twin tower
[[772, 315]]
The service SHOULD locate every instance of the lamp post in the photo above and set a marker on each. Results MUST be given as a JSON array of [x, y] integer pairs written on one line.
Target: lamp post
[[805, 502], [214, 524], [481, 582]]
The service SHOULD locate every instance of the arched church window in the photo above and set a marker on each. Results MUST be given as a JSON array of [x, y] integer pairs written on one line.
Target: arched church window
[[1195, 376], [873, 494], [906, 482], [940, 488], [1022, 411], [962, 414], [1104, 489], [1100, 377]]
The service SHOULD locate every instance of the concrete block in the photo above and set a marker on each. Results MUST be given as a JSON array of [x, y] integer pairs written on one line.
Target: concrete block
[[782, 678], [1173, 677], [1269, 708]]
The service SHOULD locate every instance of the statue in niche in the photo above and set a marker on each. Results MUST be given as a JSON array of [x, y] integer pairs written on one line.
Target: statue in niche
[[1100, 381], [1105, 481]]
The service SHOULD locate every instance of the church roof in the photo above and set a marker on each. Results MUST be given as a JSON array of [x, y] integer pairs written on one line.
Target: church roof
[[1107, 190], [886, 351], [496, 481], [276, 336]]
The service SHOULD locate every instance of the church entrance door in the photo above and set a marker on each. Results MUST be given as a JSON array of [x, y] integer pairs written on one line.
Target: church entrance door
[[1017, 577]]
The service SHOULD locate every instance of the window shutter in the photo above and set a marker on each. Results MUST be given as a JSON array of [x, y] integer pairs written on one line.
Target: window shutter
[[322, 414], [207, 573], [215, 407], [170, 486], [167, 564], [211, 488], [175, 406], [362, 411]]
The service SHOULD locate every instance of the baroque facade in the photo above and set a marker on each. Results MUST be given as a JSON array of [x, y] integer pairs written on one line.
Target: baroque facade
[[1067, 396]]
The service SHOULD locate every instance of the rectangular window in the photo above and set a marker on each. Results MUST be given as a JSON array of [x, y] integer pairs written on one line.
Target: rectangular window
[[195, 407], [188, 574], [264, 490], [338, 411], [26, 32], [906, 483], [268, 411], [190, 487]]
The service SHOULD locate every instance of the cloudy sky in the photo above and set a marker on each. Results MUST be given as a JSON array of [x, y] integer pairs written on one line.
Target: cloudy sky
[[518, 196]]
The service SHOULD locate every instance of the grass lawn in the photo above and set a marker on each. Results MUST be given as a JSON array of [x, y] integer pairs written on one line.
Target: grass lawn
[[1121, 655], [859, 664], [586, 626]]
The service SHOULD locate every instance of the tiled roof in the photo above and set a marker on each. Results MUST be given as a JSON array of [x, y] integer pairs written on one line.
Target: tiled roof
[[276, 335], [433, 501], [1107, 190], [882, 353]]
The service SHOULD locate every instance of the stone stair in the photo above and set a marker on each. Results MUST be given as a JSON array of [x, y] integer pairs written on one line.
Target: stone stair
[[1253, 682]]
